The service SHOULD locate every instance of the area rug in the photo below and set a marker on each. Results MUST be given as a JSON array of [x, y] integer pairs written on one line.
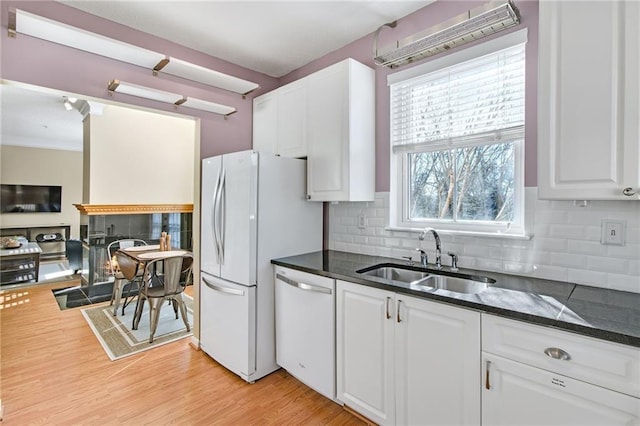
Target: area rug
[[119, 341]]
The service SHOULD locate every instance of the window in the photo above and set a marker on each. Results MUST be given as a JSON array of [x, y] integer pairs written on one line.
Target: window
[[457, 136]]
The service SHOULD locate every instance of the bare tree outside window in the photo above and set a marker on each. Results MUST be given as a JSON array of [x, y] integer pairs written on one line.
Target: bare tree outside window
[[474, 183]]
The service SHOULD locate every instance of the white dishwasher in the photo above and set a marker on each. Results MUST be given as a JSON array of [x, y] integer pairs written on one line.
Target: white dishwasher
[[305, 328]]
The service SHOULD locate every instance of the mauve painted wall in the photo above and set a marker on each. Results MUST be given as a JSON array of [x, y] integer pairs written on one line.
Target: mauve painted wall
[[30, 60], [426, 17], [41, 63]]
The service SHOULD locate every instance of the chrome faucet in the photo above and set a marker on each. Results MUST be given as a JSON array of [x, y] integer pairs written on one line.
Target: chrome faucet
[[423, 234]]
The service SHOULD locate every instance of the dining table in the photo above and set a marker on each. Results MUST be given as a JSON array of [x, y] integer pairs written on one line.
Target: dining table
[[143, 254]]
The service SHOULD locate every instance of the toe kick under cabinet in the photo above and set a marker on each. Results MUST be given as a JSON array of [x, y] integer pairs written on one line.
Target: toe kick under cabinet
[[540, 376]]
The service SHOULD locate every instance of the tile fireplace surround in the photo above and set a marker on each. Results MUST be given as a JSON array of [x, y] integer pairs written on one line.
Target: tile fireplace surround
[[98, 230]]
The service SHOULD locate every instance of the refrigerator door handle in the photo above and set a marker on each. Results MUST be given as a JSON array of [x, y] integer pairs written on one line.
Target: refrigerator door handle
[[221, 218], [214, 216], [223, 289], [303, 286], [217, 222]]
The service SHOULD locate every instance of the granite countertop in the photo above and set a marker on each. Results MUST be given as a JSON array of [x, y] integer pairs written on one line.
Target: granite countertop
[[595, 312]]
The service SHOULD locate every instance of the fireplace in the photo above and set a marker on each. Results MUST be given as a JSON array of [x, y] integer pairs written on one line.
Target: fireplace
[[98, 230]]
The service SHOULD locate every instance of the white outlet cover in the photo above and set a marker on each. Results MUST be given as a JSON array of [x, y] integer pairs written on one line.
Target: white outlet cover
[[613, 231]]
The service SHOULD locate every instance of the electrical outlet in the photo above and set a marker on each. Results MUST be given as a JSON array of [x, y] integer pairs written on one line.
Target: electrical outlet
[[362, 221], [613, 232]]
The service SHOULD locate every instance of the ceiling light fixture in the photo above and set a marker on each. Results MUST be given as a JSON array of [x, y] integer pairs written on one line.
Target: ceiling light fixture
[[168, 97], [204, 75], [464, 28], [37, 26]]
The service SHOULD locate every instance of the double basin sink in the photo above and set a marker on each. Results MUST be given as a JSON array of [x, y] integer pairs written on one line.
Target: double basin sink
[[429, 280]]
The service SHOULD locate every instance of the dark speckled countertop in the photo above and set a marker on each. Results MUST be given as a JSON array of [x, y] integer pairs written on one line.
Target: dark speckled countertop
[[596, 312]]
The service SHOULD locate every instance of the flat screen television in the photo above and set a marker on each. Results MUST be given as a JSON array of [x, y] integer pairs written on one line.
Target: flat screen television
[[30, 198]]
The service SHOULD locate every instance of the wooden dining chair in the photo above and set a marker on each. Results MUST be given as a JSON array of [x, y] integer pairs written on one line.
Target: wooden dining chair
[[164, 279], [125, 274]]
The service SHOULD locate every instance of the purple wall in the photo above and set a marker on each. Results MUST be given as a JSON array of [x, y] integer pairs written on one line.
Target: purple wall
[[38, 62], [29, 60], [424, 18]]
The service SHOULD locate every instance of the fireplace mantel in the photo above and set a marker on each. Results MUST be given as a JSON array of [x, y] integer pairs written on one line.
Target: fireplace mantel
[[105, 209]]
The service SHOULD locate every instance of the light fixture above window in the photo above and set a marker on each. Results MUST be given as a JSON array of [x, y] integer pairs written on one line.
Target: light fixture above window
[[464, 28], [47, 29], [168, 97]]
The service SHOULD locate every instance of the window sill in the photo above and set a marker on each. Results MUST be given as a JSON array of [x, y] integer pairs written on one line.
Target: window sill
[[500, 235]]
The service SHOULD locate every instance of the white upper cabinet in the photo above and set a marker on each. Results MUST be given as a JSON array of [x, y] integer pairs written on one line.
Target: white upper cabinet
[[292, 120], [341, 133], [265, 123], [328, 117], [280, 121], [589, 100]]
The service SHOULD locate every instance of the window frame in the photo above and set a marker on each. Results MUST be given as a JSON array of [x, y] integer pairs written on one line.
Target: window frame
[[399, 172]]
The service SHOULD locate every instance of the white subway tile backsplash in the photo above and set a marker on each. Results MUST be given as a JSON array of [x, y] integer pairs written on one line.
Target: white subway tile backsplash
[[628, 251], [624, 282], [565, 245], [567, 259], [549, 244], [567, 231], [550, 272], [604, 264], [587, 247], [583, 276]]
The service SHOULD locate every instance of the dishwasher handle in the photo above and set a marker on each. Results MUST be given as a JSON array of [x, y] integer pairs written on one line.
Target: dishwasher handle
[[303, 286]]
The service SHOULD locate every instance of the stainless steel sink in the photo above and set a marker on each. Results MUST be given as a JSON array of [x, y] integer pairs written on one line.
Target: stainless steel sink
[[429, 280], [454, 284], [396, 274]]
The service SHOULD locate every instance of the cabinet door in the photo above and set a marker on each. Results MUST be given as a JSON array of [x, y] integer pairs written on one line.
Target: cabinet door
[[517, 394], [292, 120], [437, 363], [365, 350], [327, 160], [265, 123], [588, 97]]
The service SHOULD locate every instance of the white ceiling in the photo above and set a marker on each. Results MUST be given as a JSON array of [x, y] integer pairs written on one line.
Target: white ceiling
[[271, 37], [38, 120]]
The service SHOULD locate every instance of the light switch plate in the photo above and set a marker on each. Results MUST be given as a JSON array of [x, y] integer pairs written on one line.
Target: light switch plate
[[613, 232]]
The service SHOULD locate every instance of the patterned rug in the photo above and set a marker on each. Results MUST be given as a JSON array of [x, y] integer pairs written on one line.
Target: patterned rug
[[119, 341]]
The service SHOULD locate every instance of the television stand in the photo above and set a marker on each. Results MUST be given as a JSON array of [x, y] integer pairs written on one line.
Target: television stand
[[50, 238]]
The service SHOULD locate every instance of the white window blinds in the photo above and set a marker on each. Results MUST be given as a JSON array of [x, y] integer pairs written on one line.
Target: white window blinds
[[480, 101]]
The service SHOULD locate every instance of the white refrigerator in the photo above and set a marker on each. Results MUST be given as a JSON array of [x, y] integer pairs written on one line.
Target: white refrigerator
[[254, 209]]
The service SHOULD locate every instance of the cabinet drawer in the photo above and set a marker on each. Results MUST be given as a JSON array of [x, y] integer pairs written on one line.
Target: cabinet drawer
[[601, 363]]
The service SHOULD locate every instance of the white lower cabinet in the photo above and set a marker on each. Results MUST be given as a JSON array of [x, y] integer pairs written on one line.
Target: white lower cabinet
[[407, 361], [517, 394], [535, 375]]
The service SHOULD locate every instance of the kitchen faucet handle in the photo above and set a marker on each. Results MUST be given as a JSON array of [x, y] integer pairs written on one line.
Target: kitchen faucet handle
[[454, 261], [423, 257], [409, 260]]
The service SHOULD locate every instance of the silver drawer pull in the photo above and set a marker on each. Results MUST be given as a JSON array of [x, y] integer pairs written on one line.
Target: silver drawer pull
[[303, 286], [629, 192], [557, 353], [223, 289]]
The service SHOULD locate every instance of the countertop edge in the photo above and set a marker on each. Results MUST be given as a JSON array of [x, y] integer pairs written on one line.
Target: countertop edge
[[592, 332]]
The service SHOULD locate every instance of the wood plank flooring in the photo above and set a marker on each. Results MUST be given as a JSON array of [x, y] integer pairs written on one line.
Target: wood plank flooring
[[54, 372]]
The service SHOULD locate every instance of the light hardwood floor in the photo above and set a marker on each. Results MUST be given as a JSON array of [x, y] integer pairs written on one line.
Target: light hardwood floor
[[54, 371]]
